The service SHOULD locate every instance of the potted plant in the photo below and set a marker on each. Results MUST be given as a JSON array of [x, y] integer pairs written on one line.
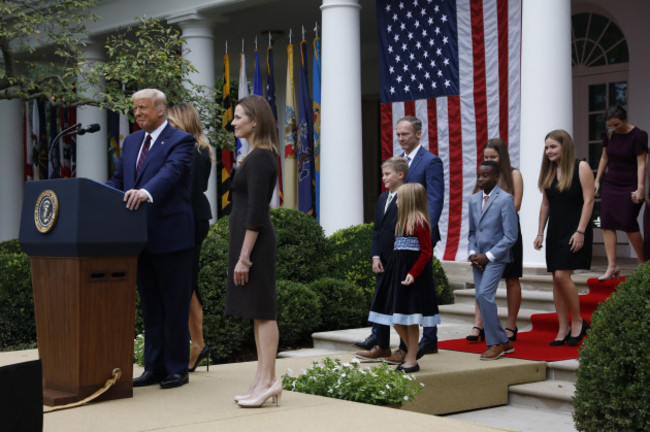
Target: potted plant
[[376, 385]]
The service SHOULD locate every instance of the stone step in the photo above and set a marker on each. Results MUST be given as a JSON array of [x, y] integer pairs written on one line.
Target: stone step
[[553, 395], [463, 313], [540, 300], [564, 370]]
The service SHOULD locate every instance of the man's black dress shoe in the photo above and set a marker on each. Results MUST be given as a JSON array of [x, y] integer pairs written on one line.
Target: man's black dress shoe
[[147, 378], [426, 349], [367, 344], [174, 380]]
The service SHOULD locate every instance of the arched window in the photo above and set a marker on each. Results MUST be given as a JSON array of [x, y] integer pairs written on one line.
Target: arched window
[[597, 41]]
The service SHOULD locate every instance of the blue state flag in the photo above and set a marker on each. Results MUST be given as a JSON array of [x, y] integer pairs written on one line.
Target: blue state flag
[[316, 116], [257, 78], [305, 140]]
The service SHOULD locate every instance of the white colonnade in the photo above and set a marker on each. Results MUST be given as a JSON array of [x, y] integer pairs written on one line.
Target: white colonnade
[[92, 154], [199, 50], [11, 168], [546, 101], [341, 151]]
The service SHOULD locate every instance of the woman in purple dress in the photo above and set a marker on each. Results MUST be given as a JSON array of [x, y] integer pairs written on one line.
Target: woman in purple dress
[[622, 190]]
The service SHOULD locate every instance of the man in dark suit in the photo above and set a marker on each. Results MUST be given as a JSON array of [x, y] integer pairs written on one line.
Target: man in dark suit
[[492, 232], [154, 168], [424, 168]]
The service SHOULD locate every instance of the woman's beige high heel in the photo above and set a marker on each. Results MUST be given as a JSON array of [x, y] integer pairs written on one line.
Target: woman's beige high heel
[[242, 397], [274, 392], [611, 273]]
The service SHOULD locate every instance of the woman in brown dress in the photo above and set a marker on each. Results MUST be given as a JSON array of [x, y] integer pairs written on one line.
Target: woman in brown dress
[[622, 189], [250, 289]]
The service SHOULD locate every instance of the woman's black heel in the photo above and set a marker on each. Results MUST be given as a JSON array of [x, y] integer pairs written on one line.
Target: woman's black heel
[[205, 354], [475, 338], [514, 333], [575, 340]]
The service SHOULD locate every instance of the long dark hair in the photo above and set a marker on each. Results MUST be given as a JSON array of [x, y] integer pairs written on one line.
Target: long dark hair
[[265, 134]]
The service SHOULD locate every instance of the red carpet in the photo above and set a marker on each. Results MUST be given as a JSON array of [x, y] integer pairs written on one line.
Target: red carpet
[[534, 344]]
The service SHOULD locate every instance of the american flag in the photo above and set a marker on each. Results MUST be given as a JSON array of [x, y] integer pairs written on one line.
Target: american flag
[[454, 64]]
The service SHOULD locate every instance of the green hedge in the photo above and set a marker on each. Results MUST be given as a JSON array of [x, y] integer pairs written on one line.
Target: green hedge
[[299, 313], [16, 298], [226, 335], [613, 385], [322, 284], [343, 304]]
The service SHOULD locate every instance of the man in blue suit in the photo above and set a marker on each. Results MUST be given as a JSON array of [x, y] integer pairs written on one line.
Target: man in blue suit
[[492, 232], [424, 168], [154, 168]]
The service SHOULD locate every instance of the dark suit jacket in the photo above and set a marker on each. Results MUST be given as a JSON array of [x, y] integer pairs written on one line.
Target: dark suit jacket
[[165, 174], [426, 169], [493, 229], [383, 231]]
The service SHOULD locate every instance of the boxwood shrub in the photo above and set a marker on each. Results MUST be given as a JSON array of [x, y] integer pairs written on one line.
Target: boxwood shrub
[[16, 301], [301, 246], [613, 384], [226, 335], [299, 313], [343, 303]]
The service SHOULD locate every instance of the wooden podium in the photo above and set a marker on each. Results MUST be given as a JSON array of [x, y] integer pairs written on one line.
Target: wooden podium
[[83, 245]]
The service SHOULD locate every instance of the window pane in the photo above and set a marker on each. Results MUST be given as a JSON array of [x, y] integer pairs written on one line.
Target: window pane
[[597, 97], [611, 37], [596, 26], [596, 127], [618, 93], [595, 151], [618, 54], [580, 24]]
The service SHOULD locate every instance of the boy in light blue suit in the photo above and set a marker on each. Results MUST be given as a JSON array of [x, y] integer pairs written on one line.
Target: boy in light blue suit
[[492, 232]]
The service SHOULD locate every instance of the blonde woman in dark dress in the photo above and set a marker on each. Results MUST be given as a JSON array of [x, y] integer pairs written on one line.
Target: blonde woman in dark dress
[[567, 185], [185, 117], [250, 289]]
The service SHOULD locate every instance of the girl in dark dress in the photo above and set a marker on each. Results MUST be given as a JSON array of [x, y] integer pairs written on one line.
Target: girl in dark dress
[[250, 289], [405, 297], [567, 186], [622, 190], [511, 181], [185, 117]]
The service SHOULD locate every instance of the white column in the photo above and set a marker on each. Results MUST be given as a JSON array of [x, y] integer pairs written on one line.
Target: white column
[[341, 199], [546, 101], [11, 168], [199, 50], [92, 149]]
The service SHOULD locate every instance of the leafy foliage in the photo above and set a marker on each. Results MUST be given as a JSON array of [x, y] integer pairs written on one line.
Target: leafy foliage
[[42, 47], [349, 251], [613, 385], [343, 304], [298, 312], [226, 335], [27, 28], [16, 301], [301, 246], [377, 385]]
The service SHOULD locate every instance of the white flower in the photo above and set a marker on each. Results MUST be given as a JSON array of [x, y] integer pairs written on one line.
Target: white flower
[[289, 371], [355, 360], [422, 384], [330, 391], [406, 398], [387, 386]]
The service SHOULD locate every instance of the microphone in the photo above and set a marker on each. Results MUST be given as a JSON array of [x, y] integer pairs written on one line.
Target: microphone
[[91, 128]]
